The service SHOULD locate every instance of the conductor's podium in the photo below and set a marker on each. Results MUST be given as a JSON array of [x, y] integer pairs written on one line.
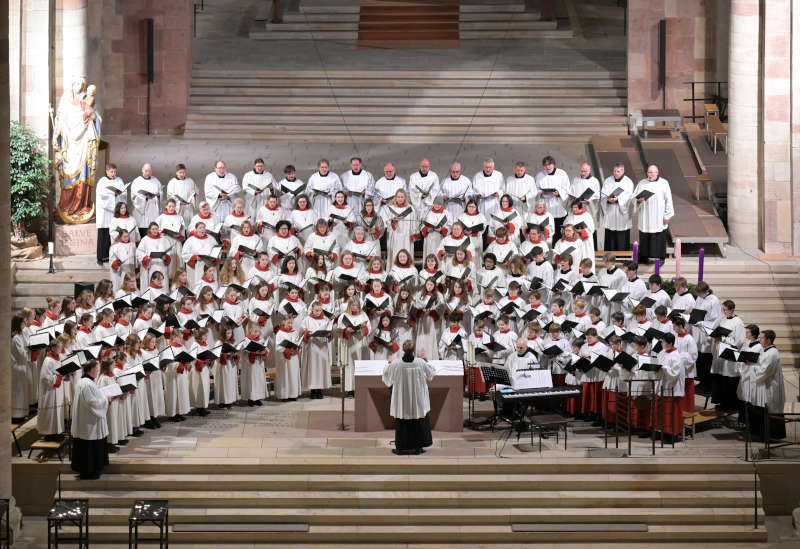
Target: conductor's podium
[[373, 397]]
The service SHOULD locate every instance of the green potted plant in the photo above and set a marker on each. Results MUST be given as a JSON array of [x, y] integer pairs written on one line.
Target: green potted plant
[[29, 180]]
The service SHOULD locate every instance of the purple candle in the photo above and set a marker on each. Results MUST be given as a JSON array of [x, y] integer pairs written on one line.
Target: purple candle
[[636, 252], [700, 265], [658, 265], [677, 258]]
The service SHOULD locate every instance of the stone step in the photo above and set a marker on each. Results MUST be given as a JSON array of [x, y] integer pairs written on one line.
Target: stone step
[[337, 82], [516, 34], [500, 16], [416, 482], [455, 128], [383, 94], [419, 499], [345, 35], [327, 26], [223, 74], [441, 516], [490, 7], [307, 7], [270, 136], [450, 534], [507, 25], [406, 119], [346, 110], [430, 100]]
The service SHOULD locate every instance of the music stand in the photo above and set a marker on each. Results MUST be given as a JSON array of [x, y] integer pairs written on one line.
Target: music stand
[[494, 374]]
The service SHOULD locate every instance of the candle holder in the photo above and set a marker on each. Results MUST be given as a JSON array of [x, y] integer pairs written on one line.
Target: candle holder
[[51, 251]]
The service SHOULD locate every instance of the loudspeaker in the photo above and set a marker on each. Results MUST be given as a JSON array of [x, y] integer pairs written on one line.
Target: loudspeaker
[[662, 54], [80, 286], [150, 49]]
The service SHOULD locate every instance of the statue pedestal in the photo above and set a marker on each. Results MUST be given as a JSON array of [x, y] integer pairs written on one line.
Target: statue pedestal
[[76, 239]]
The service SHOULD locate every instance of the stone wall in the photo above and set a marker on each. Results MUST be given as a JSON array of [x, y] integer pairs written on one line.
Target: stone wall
[[697, 50], [117, 50]]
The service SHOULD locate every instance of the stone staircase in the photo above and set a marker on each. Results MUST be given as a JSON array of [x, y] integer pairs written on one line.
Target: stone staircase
[[32, 284], [427, 501], [477, 20], [421, 24], [385, 106]]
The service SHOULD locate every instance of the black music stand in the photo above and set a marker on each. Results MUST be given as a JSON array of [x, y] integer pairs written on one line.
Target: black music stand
[[495, 375]]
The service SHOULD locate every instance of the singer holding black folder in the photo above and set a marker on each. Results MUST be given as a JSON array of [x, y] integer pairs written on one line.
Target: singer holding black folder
[[653, 203], [89, 428]]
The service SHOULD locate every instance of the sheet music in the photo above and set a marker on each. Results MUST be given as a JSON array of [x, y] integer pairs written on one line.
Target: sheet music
[[532, 379]]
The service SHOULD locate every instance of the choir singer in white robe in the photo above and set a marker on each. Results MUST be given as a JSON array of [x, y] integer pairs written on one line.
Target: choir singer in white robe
[[357, 184], [89, 427], [488, 186], [654, 205], [221, 188], [410, 405]]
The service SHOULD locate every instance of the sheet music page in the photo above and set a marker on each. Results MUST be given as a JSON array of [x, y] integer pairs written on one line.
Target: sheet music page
[[532, 379]]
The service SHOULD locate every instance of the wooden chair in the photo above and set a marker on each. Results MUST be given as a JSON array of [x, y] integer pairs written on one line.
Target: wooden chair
[[49, 445]]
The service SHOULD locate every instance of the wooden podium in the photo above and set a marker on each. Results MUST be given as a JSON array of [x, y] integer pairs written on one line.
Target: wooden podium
[[446, 394]]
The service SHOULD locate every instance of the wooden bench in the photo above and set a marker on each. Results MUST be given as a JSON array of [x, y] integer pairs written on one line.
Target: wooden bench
[[49, 445], [14, 428], [692, 419], [717, 131], [622, 254]]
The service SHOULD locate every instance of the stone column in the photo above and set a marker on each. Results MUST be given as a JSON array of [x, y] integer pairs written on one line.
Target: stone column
[[777, 127], [795, 53], [744, 215], [72, 34]]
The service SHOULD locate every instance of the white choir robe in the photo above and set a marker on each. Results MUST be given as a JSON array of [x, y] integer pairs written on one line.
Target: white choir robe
[[584, 236], [51, 398], [184, 191], [580, 185], [494, 279], [407, 277], [253, 377], [226, 379], [577, 254], [516, 362], [214, 185], [266, 306], [253, 242], [124, 222], [317, 353], [288, 191], [435, 226], [303, 222], [384, 344], [456, 193], [546, 220], [558, 181], [509, 219], [21, 377], [503, 252], [211, 220], [147, 246], [450, 241], [519, 188], [267, 221], [288, 382], [474, 227], [673, 374], [89, 412], [321, 189], [357, 187], [613, 278], [399, 235], [546, 273], [279, 247], [145, 209], [373, 224], [154, 385], [363, 251], [683, 302], [174, 223], [713, 309], [594, 375], [326, 243], [527, 246], [106, 200], [768, 390], [636, 289], [485, 186], [384, 190], [617, 215], [123, 255], [653, 211], [448, 350], [556, 363], [508, 339], [409, 382], [200, 379], [746, 389], [357, 344], [113, 410], [195, 247], [340, 219], [464, 273], [176, 386], [687, 346], [256, 190], [735, 339], [428, 324], [422, 189]]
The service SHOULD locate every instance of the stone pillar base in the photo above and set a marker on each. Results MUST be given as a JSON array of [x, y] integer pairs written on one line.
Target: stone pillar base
[[75, 239]]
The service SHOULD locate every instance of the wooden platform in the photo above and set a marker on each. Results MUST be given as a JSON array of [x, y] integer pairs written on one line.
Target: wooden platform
[[419, 24]]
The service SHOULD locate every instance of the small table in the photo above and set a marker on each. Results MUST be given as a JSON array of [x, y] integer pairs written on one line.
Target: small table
[[660, 115], [155, 511], [549, 422], [73, 512]]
